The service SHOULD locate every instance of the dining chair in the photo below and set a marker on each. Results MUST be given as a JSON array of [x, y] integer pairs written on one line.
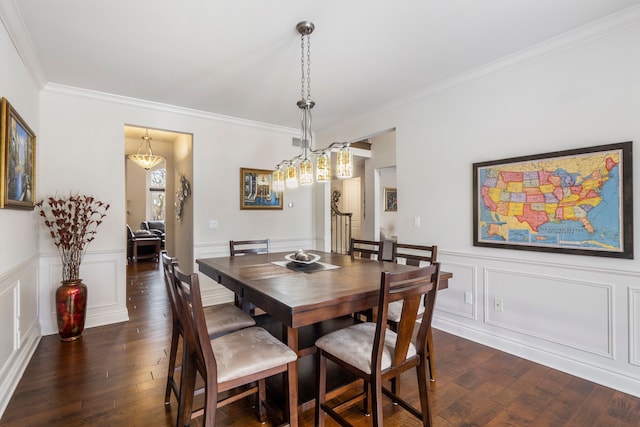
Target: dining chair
[[377, 354], [243, 247], [370, 249], [416, 255], [229, 362], [219, 319]]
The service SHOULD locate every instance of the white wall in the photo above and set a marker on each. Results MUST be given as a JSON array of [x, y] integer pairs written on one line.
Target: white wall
[[579, 314], [19, 326]]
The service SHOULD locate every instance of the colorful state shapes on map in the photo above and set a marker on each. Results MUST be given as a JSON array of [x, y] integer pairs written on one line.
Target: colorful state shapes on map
[[539, 207], [536, 198], [610, 163], [490, 196], [543, 177], [531, 179], [555, 180], [591, 184], [516, 235], [516, 209], [490, 182], [550, 198], [494, 231], [559, 193], [547, 188], [518, 197], [575, 189], [532, 217], [550, 209], [545, 239], [502, 208], [514, 187], [511, 176], [567, 179]]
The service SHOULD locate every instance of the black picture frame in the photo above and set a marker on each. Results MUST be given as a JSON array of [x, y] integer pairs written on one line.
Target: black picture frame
[[549, 203]]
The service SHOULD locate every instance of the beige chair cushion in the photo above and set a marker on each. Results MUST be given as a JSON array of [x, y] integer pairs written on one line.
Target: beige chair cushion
[[354, 345], [225, 318], [248, 351], [395, 310]]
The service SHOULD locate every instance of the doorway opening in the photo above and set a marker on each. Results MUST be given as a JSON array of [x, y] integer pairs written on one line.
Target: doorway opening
[[151, 194]]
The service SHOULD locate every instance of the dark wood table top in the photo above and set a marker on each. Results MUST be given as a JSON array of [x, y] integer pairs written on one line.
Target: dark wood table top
[[297, 297]]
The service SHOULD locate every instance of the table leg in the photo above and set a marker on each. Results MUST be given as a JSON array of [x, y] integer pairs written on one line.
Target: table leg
[[291, 335]]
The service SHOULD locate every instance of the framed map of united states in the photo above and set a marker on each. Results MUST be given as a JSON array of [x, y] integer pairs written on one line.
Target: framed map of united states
[[574, 201]]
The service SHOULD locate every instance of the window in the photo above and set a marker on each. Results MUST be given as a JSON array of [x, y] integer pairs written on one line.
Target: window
[[157, 199]]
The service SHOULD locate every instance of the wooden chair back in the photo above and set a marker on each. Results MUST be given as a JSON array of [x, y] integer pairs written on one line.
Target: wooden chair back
[[168, 264], [414, 254], [241, 247], [359, 248], [409, 287]]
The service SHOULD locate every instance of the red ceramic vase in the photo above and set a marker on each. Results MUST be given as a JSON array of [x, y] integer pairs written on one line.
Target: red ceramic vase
[[71, 309]]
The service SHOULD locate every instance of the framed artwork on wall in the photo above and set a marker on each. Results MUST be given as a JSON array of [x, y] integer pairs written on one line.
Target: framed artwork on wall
[[17, 161], [574, 202], [256, 190], [390, 199]]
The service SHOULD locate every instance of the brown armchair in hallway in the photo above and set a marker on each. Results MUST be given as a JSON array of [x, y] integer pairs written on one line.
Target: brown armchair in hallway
[[142, 244]]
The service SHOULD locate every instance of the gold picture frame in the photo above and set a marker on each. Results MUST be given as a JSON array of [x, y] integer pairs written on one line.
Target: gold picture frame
[[390, 199], [256, 190], [17, 160]]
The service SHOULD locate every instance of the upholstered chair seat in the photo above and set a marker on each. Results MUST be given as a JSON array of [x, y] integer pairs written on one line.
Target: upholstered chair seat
[[224, 318], [354, 345], [248, 351]]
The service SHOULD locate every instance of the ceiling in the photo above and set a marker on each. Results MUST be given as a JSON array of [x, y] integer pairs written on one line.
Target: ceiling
[[241, 58]]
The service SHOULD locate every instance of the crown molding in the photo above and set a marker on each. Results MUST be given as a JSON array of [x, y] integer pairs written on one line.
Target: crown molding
[[167, 108], [602, 27]]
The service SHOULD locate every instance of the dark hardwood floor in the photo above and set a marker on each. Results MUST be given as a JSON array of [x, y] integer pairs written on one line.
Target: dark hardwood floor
[[115, 376]]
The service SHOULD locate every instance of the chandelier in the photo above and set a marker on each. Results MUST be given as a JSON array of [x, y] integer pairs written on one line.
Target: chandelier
[[299, 169], [145, 156]]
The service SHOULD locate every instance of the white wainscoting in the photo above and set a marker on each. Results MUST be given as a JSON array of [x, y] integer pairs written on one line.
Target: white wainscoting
[[580, 319], [19, 326], [634, 326], [104, 273]]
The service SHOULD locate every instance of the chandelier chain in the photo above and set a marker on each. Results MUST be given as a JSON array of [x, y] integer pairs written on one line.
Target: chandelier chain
[[305, 67], [309, 66], [302, 66]]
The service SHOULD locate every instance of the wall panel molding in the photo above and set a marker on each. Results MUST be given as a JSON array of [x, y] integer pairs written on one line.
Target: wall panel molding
[[634, 326], [451, 300], [536, 304]]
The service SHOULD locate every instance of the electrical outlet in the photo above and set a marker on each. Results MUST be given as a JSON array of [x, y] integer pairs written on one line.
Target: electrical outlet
[[498, 304], [468, 298]]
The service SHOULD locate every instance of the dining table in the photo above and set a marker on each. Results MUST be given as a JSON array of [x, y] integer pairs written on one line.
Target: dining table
[[304, 299]]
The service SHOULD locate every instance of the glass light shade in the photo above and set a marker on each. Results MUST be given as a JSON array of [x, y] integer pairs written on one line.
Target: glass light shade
[[147, 161], [344, 163], [291, 177], [145, 156], [306, 172], [323, 168], [278, 180]]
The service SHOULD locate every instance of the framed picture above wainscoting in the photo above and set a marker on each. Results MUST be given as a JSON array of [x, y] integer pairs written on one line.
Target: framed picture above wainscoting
[[256, 190], [574, 202], [17, 160], [390, 199]]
